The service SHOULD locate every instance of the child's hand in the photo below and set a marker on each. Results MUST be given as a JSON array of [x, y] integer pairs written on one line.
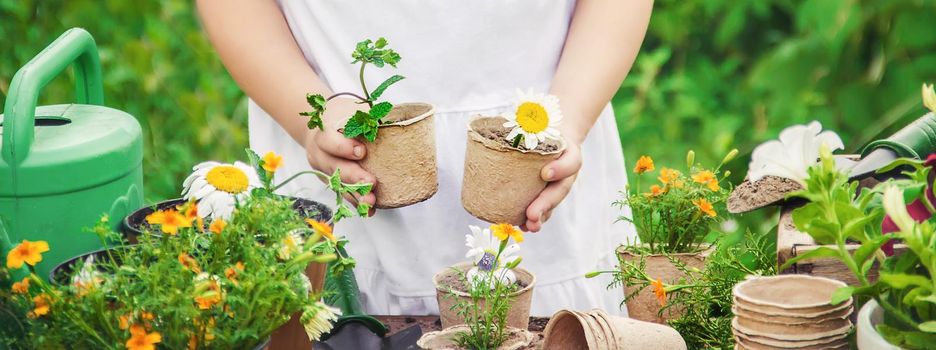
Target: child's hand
[[329, 149], [561, 175]]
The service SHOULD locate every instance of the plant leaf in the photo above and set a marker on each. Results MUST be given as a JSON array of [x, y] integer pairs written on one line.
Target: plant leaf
[[384, 85], [815, 253], [257, 164], [902, 280], [928, 326], [841, 294]]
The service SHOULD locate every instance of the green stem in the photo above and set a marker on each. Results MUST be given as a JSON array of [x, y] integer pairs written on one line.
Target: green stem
[[516, 141], [316, 172], [364, 85]]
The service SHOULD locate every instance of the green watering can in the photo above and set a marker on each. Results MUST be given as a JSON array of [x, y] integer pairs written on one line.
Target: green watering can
[[64, 166]]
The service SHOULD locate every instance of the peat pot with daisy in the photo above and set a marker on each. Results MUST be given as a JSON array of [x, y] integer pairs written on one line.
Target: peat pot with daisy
[[505, 155], [490, 283], [400, 139]]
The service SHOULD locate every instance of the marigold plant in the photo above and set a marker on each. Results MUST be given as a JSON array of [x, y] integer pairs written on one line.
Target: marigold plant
[[674, 213]]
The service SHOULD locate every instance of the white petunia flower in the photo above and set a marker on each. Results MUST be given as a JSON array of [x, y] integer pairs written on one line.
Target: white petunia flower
[[791, 155], [535, 116], [218, 186]]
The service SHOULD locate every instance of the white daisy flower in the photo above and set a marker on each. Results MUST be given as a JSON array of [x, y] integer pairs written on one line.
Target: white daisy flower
[[482, 250], [218, 186], [290, 245], [535, 117], [791, 156], [317, 319]]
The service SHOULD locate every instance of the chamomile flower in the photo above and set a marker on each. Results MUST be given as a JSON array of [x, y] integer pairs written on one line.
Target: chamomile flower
[[535, 117], [290, 245], [482, 250], [317, 319], [218, 186]]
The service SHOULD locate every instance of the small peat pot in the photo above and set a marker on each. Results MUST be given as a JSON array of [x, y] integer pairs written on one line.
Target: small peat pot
[[450, 289], [790, 312], [644, 306], [403, 157], [596, 330], [871, 315], [517, 339], [501, 181], [134, 224]]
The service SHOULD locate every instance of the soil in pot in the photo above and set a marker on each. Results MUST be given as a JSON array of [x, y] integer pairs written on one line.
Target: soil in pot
[[500, 181], [449, 282], [403, 157], [644, 306], [517, 339]]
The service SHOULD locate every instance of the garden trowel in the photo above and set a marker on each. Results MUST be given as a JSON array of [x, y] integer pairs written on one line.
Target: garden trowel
[[355, 329], [916, 140]]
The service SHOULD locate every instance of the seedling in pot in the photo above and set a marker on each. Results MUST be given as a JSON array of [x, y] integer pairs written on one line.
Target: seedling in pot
[[363, 124]]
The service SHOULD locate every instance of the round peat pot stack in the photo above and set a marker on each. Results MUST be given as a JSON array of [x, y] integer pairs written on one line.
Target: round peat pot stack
[[403, 157], [449, 280], [596, 330], [64, 166], [501, 181], [790, 312]]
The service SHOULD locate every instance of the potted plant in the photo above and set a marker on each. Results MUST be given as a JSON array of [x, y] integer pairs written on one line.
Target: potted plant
[[485, 304], [400, 139], [673, 217], [510, 149]]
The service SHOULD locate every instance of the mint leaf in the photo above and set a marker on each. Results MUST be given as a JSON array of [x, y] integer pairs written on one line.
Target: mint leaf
[[380, 110], [384, 85], [317, 102], [380, 43], [362, 124]]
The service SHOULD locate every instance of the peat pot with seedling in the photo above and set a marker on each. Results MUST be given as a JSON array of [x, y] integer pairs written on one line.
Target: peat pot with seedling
[[400, 139]]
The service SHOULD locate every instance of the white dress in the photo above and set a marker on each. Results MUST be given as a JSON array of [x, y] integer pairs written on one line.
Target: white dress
[[466, 58]]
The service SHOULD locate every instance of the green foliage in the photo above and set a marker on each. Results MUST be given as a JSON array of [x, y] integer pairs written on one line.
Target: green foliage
[[375, 53], [317, 102], [676, 213]]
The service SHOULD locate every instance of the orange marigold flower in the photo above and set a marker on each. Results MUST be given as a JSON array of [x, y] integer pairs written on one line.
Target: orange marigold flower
[[217, 226], [232, 272], [21, 287], [708, 178], [190, 211], [660, 291], [323, 228], [705, 207], [141, 340], [147, 316], [26, 252], [504, 231], [169, 220], [210, 294], [41, 307], [668, 175], [189, 263], [644, 164], [272, 161], [124, 322], [655, 190]]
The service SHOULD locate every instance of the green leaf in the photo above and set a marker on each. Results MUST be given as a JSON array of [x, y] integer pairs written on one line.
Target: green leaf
[[361, 188], [380, 43], [867, 249], [380, 110], [812, 254], [257, 164], [363, 209], [928, 326], [902, 280], [334, 181], [901, 162], [384, 85], [360, 124], [841, 294], [317, 102]]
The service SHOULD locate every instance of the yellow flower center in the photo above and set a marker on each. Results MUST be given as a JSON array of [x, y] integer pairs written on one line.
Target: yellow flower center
[[532, 117], [227, 178]]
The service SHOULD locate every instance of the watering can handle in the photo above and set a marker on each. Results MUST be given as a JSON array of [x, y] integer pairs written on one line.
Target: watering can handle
[[75, 45]]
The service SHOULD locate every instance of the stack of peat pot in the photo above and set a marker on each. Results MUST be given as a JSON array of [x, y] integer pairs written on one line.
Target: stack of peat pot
[[790, 312]]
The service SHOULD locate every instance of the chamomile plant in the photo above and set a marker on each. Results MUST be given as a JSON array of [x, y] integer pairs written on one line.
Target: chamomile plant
[[533, 119], [362, 124]]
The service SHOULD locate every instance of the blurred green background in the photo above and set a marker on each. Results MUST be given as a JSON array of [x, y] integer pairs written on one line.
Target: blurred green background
[[712, 75]]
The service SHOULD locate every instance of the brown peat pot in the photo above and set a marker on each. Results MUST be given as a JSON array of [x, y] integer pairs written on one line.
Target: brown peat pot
[[517, 339], [447, 296], [644, 306]]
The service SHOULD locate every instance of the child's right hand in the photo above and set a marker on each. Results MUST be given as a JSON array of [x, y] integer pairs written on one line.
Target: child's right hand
[[328, 149]]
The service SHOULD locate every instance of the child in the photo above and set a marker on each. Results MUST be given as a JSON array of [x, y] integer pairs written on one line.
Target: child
[[466, 58]]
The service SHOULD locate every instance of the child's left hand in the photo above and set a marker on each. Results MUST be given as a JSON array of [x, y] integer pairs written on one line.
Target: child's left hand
[[560, 174]]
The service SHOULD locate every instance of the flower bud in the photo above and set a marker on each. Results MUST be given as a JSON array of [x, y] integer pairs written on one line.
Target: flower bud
[[730, 156], [690, 159], [592, 274]]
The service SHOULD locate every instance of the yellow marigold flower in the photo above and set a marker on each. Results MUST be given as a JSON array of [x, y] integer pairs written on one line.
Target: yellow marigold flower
[[705, 207], [272, 161], [660, 291], [26, 252], [217, 225], [169, 220], [41, 307], [668, 175], [505, 231], [323, 228], [644, 164], [141, 340], [124, 322], [189, 263], [655, 190], [21, 287]]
